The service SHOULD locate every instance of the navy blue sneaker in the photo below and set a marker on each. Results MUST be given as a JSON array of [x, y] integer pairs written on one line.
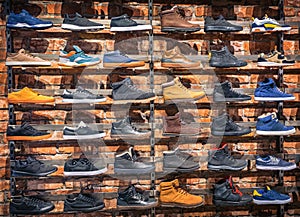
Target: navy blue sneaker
[[25, 20], [273, 163], [268, 91], [268, 125], [117, 59], [269, 197]]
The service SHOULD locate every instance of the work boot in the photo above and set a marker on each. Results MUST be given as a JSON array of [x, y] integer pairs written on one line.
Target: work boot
[[179, 162], [175, 91], [171, 195], [174, 126], [173, 21]]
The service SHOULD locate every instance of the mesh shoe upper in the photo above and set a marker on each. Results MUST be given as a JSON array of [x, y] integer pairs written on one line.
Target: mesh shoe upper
[[78, 20]]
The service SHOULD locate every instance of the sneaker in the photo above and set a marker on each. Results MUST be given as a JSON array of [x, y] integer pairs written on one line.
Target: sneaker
[[123, 23], [26, 132], [133, 198], [268, 91], [273, 163], [267, 196], [126, 90], [29, 206], [224, 59], [221, 159], [220, 25], [228, 194], [25, 20], [81, 95], [82, 132], [175, 91], [77, 58], [173, 21], [225, 93], [116, 59], [175, 59], [82, 167], [125, 129], [79, 23], [223, 125], [127, 163], [268, 125], [268, 25], [82, 203], [27, 95], [274, 59], [176, 161], [23, 58]]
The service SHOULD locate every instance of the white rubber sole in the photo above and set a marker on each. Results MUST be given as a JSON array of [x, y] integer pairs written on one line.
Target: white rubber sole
[[274, 98], [73, 64], [79, 28], [275, 133], [84, 100], [271, 202], [276, 168], [273, 64], [131, 28], [86, 173], [94, 136], [277, 29], [25, 25], [21, 63]]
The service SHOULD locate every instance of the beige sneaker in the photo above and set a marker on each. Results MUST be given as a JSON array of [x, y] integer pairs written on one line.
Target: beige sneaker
[[274, 59], [22, 58]]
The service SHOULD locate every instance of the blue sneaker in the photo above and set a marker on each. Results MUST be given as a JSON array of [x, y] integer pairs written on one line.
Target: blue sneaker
[[77, 58], [117, 59], [273, 163], [269, 197], [25, 20], [268, 125], [268, 91], [268, 25]]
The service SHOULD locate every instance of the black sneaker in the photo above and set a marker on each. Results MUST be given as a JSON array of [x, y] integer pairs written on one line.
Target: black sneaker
[[29, 206], [132, 198], [225, 93], [220, 159], [26, 132], [127, 163], [220, 25], [81, 95], [82, 167], [123, 23], [31, 167], [125, 129], [224, 59], [228, 194], [126, 90], [177, 161], [78, 23], [223, 125], [82, 132], [82, 203]]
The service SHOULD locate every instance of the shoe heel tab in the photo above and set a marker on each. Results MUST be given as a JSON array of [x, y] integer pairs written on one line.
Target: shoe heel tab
[[255, 193]]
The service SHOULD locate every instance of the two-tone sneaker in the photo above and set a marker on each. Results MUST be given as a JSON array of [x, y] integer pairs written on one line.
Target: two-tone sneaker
[[81, 95], [82, 131], [79, 23], [274, 59], [225, 93], [269, 125], [83, 167], [267, 196], [23, 58], [124, 23], [82, 203], [268, 24], [273, 163], [220, 25], [26, 132], [116, 59]]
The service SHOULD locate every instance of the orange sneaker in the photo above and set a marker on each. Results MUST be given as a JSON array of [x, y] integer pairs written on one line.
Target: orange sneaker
[[27, 95]]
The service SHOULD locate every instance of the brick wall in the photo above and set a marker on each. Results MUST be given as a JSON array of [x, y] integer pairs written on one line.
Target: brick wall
[[51, 41]]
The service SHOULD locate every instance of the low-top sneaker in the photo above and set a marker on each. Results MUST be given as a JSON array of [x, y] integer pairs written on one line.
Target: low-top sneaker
[[117, 59], [82, 167], [269, 125], [124, 23], [220, 25], [23, 58], [82, 132], [268, 24], [82, 203], [267, 196], [225, 93], [27, 95], [274, 59], [81, 95], [273, 163], [79, 23]]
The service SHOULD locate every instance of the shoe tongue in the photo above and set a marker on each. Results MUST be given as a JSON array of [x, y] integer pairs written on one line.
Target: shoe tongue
[[273, 115], [22, 51], [24, 12], [78, 15], [176, 182], [267, 188], [224, 146], [229, 180], [127, 120], [24, 125], [174, 7], [81, 124], [77, 49], [125, 15], [30, 159], [220, 17]]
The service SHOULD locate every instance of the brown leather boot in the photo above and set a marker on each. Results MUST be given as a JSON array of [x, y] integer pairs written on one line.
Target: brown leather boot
[[173, 21], [172, 195], [174, 126]]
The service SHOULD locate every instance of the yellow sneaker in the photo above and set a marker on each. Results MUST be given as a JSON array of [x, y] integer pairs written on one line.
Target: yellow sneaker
[[27, 95]]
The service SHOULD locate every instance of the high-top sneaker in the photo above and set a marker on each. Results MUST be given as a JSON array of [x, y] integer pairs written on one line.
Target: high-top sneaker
[[224, 93], [223, 125], [221, 159], [224, 59]]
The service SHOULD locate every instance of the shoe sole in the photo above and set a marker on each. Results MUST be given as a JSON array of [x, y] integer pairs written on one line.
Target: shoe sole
[[230, 203], [131, 28], [25, 25], [130, 207], [278, 29], [135, 100], [84, 100], [180, 134], [124, 65], [274, 98], [30, 101], [85, 173], [189, 100], [29, 138], [227, 66], [175, 29], [180, 205], [130, 136], [179, 65], [21, 63], [232, 100], [21, 173], [275, 133], [84, 210], [271, 202], [221, 29], [75, 65], [30, 212], [273, 64], [276, 168], [80, 28], [94, 136], [215, 133], [180, 170], [223, 167], [134, 171]]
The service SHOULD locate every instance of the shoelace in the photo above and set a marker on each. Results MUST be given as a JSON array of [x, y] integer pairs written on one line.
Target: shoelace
[[33, 201], [86, 199], [183, 87], [134, 88], [275, 89], [85, 92], [30, 55], [274, 159], [127, 18], [236, 190], [180, 190], [233, 125], [136, 194], [30, 128]]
